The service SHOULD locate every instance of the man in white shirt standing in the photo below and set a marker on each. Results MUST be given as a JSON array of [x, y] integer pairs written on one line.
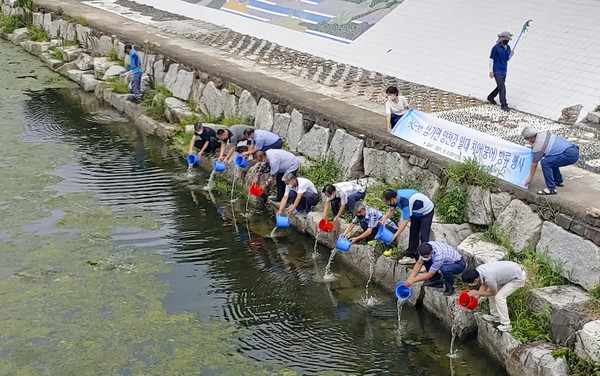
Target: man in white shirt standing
[[395, 107], [498, 280], [301, 192]]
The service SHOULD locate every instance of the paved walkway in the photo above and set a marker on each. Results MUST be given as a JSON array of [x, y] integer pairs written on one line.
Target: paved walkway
[[345, 106]]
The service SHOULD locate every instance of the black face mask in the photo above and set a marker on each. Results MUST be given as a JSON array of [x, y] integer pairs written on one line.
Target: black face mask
[[504, 42], [360, 217]]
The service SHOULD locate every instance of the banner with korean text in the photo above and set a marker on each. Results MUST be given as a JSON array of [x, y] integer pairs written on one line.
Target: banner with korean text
[[507, 161]]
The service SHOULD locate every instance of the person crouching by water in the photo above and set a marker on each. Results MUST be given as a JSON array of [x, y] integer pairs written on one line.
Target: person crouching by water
[[341, 195], [300, 192], [277, 163], [204, 138], [395, 107], [368, 219], [497, 281], [438, 258], [261, 140]]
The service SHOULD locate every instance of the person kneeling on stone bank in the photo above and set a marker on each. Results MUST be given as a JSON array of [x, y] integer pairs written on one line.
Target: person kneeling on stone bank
[[553, 152], [340, 195], [498, 280], [301, 192], [437, 257], [368, 218]]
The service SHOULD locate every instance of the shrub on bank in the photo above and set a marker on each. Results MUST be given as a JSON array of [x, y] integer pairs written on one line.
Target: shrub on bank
[[321, 172], [451, 202], [37, 33], [9, 24], [470, 172], [118, 86], [154, 102]]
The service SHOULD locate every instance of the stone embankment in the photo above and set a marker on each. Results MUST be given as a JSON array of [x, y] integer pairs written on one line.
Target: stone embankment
[[569, 239]]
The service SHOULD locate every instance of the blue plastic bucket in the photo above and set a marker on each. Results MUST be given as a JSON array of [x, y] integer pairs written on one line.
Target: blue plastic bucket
[[193, 159], [219, 166], [282, 221], [343, 244], [384, 234], [403, 292], [241, 162]]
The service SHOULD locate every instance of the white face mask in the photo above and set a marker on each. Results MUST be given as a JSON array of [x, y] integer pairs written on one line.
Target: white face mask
[[426, 258], [391, 97]]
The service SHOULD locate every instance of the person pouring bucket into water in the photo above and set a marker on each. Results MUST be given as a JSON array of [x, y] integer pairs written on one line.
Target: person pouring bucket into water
[[438, 258], [261, 141], [204, 138], [339, 196], [300, 192], [230, 138], [368, 219], [277, 163]]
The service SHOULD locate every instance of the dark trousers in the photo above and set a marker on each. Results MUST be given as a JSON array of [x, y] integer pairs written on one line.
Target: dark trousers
[[277, 145], [500, 89], [394, 119], [420, 230], [213, 144], [390, 226], [308, 200], [136, 83], [281, 184], [448, 271], [551, 164], [336, 203]]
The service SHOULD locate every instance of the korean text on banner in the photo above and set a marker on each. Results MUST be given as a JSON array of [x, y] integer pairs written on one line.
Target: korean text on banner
[[507, 161]]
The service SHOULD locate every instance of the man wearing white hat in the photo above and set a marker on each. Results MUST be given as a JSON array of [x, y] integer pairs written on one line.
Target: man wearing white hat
[[499, 57], [553, 152]]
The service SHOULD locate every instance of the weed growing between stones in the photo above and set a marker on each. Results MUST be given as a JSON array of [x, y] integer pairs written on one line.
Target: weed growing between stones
[[493, 234], [321, 172], [549, 211], [37, 33], [9, 24], [236, 119], [223, 187], [154, 102], [595, 292], [470, 172], [188, 120], [529, 324], [451, 202], [81, 20], [118, 86], [112, 55], [577, 366], [28, 4], [55, 53]]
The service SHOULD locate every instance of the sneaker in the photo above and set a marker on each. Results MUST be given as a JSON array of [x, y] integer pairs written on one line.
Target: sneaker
[[406, 260], [449, 292], [505, 327], [296, 211], [505, 108], [491, 318], [560, 184], [386, 253], [438, 283], [491, 100]]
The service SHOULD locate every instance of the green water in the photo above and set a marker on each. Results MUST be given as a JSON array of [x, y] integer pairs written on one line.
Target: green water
[[113, 261]]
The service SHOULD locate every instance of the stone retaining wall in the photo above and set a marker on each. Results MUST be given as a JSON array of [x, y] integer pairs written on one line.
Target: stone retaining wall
[[572, 240]]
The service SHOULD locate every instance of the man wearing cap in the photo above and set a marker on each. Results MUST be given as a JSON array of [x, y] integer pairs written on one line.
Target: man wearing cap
[[416, 208], [498, 280], [261, 140], [554, 152], [135, 66], [340, 195], [277, 163], [368, 218], [302, 193], [437, 257], [230, 138], [499, 57]]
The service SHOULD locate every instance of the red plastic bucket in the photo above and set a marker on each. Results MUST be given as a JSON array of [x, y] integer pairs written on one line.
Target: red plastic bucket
[[467, 301], [256, 190], [325, 225]]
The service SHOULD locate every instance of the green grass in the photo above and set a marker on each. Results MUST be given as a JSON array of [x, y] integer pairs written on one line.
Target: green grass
[[55, 53], [9, 24], [112, 55], [71, 43], [223, 187], [322, 172], [37, 33], [118, 86], [494, 235], [25, 4], [577, 366], [156, 108], [234, 120], [470, 172], [451, 202], [529, 324], [188, 120], [78, 20]]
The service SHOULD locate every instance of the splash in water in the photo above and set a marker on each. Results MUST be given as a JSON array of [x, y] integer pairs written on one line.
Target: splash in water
[[272, 235], [399, 306], [208, 185], [327, 274], [370, 300], [454, 352], [315, 255]]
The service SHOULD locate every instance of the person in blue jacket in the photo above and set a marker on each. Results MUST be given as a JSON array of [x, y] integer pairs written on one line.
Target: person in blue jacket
[[137, 70], [499, 57]]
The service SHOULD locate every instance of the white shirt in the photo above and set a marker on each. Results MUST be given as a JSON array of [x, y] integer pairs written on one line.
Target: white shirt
[[304, 185], [399, 108], [345, 189]]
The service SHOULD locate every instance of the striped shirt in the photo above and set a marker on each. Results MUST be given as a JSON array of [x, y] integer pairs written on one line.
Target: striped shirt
[[372, 218], [345, 189], [441, 254], [413, 202], [547, 144]]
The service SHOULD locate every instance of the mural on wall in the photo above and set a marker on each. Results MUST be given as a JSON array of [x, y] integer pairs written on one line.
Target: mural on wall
[[340, 20]]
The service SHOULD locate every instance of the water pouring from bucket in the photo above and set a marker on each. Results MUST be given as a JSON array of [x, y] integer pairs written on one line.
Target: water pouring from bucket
[[325, 225], [467, 301], [403, 292], [256, 190], [343, 244], [282, 221], [241, 162], [193, 159], [384, 235], [219, 166]]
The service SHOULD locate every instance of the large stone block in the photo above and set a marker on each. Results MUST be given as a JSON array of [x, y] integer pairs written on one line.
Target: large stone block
[[428, 182], [477, 252], [587, 342], [72, 53], [281, 124], [84, 62], [171, 76], [37, 19], [564, 324], [560, 297], [211, 102], [18, 36], [229, 103], [146, 124], [115, 71], [247, 105], [176, 110], [577, 259], [385, 165], [446, 309], [314, 143], [159, 72], [50, 62], [521, 224], [347, 151], [264, 115], [55, 28], [101, 65], [197, 89], [47, 22], [69, 33], [75, 75], [35, 48], [328, 239], [295, 130], [83, 34], [479, 206], [105, 44], [452, 234], [499, 344], [499, 202], [182, 86], [536, 359]]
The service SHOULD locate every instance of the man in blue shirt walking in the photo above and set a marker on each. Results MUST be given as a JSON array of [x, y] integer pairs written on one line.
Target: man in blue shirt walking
[[499, 57], [137, 70]]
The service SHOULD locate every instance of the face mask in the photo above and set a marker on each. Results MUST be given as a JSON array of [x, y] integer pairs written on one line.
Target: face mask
[[504, 42], [425, 258], [360, 217], [391, 97]]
